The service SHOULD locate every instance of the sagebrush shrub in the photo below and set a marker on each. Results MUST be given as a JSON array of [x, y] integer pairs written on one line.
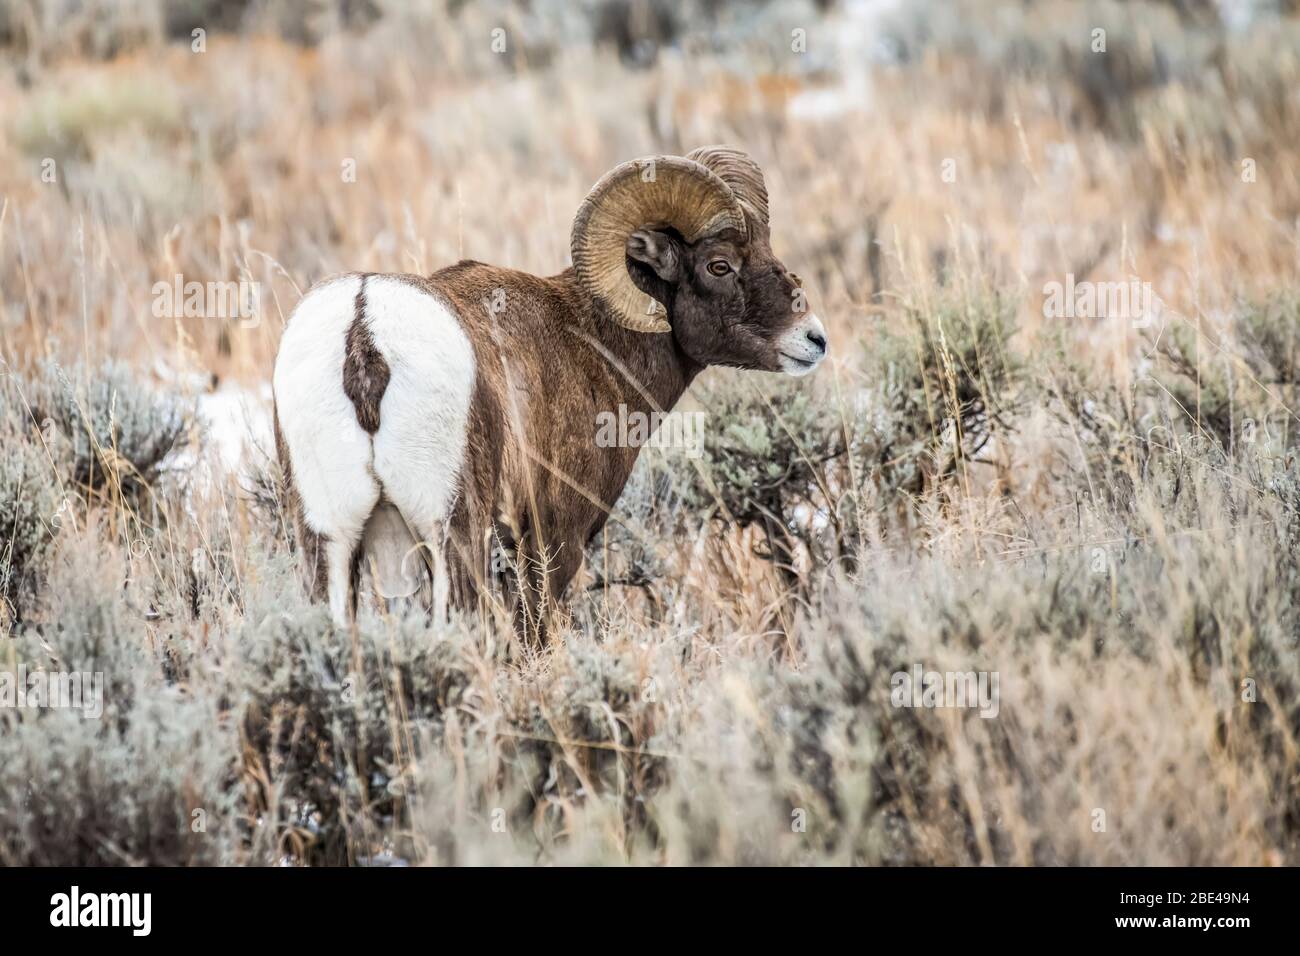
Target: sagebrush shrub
[[148, 780], [330, 718], [108, 427], [31, 504], [29, 521]]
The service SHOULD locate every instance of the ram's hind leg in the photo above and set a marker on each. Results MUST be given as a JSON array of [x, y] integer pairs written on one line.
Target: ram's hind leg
[[334, 492], [315, 561], [332, 562], [420, 445], [313, 546]]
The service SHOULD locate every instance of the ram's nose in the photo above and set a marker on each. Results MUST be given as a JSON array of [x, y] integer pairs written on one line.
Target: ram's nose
[[814, 336], [803, 347]]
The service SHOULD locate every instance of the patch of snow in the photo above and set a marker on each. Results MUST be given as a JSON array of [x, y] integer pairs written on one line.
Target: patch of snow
[[237, 424], [235, 434]]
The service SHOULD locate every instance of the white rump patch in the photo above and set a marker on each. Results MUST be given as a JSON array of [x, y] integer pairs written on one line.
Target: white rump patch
[[329, 450], [416, 456], [424, 415]]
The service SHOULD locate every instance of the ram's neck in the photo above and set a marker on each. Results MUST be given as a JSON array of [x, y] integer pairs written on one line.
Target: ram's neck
[[650, 371]]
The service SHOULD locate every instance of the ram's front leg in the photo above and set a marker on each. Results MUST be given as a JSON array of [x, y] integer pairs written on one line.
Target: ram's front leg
[[530, 577], [543, 586], [518, 566]]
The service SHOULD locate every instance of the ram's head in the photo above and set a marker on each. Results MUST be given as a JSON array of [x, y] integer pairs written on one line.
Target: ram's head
[[680, 245]]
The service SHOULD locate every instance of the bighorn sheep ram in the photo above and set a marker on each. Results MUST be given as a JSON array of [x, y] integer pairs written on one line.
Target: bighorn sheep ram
[[454, 416]]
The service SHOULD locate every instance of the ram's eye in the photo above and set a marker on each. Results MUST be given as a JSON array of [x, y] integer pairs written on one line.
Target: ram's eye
[[719, 267]]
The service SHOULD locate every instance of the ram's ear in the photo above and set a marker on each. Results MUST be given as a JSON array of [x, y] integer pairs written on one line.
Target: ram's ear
[[658, 251]]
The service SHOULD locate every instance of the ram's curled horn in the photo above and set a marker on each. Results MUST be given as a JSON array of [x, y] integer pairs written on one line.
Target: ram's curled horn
[[737, 170], [655, 191]]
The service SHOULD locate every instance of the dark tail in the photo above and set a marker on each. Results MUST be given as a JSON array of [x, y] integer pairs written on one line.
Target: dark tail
[[365, 373]]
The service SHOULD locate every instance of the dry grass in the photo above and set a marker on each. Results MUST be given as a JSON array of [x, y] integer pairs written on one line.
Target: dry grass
[[1099, 530]]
